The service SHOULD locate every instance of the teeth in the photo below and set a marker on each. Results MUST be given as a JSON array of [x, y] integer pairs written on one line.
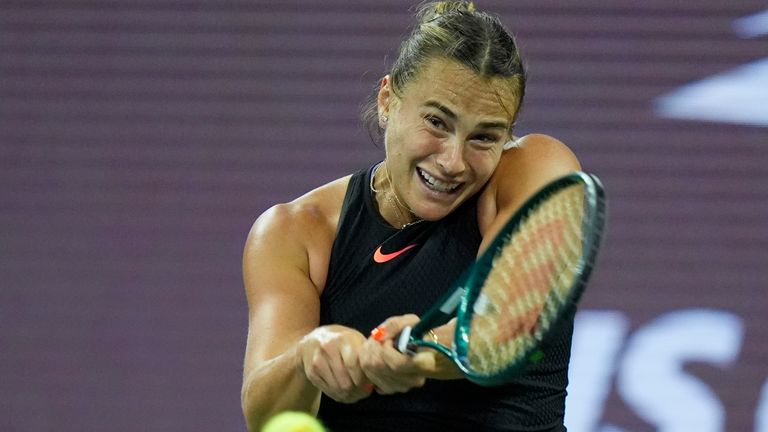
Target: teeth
[[436, 184]]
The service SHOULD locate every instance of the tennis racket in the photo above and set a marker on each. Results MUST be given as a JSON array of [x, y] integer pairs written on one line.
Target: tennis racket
[[517, 292]]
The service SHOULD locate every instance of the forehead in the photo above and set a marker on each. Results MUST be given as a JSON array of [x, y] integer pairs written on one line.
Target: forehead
[[458, 87]]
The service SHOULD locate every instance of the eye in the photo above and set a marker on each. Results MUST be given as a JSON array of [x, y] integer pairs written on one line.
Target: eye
[[485, 139], [435, 122]]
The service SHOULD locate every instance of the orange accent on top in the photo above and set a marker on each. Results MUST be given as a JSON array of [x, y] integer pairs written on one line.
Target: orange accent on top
[[381, 257], [378, 333]]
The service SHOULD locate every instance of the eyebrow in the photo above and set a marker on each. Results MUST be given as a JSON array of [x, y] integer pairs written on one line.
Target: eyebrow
[[450, 114]]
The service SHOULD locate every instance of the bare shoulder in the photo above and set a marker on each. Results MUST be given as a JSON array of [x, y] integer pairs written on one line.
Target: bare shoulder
[[299, 233], [314, 213], [285, 263], [534, 161]]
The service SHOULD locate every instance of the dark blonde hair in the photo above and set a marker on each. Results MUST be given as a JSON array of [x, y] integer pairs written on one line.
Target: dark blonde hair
[[457, 31]]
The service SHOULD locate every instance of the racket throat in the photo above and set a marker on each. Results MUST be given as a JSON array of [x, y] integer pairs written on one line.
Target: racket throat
[[449, 306]]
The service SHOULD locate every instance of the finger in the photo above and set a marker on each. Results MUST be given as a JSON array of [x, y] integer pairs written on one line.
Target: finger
[[399, 384], [375, 370], [340, 387], [392, 326], [369, 356], [351, 361], [371, 366], [407, 372], [340, 372], [425, 362], [379, 333], [384, 360], [382, 366], [318, 373], [388, 384], [394, 359]]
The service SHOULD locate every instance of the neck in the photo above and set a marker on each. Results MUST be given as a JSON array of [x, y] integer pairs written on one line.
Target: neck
[[390, 206]]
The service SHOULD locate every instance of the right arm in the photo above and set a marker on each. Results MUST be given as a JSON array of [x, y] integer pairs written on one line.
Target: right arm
[[289, 361]]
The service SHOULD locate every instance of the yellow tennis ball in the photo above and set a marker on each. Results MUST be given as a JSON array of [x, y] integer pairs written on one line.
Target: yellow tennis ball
[[293, 421]]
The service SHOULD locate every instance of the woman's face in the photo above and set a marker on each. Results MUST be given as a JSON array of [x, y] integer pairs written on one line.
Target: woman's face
[[444, 135]]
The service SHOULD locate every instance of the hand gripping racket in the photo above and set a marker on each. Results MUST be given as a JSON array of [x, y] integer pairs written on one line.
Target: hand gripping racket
[[518, 290]]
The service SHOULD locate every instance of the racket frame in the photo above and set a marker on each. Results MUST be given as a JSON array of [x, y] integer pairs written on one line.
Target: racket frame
[[467, 287]]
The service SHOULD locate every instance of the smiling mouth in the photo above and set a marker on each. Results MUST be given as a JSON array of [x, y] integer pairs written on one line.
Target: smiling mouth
[[437, 185]]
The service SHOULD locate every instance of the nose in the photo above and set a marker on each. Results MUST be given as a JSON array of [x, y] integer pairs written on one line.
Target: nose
[[451, 157]]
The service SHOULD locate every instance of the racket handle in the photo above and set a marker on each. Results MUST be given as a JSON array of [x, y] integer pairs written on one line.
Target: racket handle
[[403, 339]]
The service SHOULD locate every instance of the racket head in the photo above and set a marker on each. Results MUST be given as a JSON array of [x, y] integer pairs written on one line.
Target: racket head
[[531, 275]]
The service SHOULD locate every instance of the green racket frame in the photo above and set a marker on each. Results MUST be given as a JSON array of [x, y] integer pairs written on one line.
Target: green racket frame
[[465, 291]]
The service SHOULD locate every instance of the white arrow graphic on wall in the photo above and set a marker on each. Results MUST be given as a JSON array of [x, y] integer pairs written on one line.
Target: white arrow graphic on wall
[[738, 96]]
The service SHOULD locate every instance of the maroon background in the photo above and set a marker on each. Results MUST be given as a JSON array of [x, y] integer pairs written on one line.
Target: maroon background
[[140, 139]]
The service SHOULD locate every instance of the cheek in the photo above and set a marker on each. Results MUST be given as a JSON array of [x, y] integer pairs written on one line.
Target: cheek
[[484, 163], [428, 143], [393, 141], [416, 142]]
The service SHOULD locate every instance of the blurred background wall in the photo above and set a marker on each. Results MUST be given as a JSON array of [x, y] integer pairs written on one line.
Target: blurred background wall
[[140, 139]]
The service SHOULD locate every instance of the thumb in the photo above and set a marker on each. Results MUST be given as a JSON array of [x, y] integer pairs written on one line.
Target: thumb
[[390, 328], [425, 361]]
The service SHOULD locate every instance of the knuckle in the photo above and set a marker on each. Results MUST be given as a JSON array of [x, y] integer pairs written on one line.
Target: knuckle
[[316, 367], [364, 360], [403, 389], [349, 396], [327, 348], [370, 364], [316, 362]]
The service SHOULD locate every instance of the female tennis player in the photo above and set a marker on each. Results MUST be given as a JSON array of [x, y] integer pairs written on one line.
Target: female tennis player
[[375, 249]]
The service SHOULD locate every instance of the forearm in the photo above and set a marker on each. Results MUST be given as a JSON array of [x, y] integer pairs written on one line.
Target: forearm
[[277, 385]]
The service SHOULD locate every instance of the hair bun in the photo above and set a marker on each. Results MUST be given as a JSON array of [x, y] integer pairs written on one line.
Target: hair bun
[[433, 10]]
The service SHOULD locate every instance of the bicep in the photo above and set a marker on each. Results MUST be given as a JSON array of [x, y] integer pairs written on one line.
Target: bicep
[[283, 303]]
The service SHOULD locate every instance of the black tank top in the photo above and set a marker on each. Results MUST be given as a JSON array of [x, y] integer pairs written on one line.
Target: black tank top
[[416, 266]]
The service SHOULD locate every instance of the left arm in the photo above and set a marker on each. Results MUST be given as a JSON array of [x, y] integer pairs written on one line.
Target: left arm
[[522, 171]]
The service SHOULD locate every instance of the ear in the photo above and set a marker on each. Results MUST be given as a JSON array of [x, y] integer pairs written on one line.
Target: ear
[[385, 96]]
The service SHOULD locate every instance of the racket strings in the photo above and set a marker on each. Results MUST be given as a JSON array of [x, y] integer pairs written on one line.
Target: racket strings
[[529, 282]]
